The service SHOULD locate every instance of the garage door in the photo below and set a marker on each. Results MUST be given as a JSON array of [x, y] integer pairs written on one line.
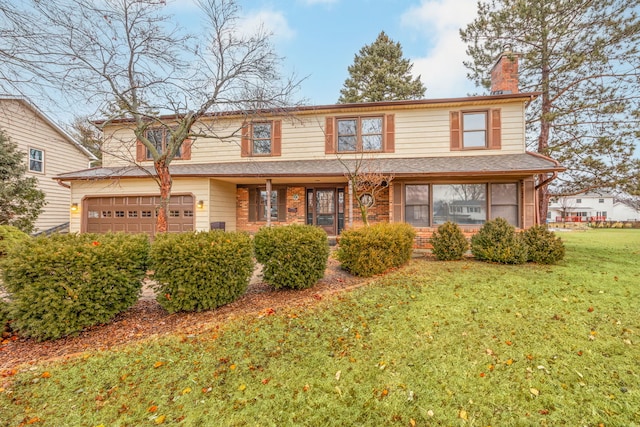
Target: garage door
[[137, 214]]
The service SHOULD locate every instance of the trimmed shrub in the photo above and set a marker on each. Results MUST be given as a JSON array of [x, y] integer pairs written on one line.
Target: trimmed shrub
[[10, 236], [497, 241], [449, 243], [293, 256], [373, 250], [543, 246], [201, 271], [62, 284], [4, 316]]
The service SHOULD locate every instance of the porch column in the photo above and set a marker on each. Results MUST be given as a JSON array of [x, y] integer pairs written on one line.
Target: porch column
[[268, 203], [350, 205]]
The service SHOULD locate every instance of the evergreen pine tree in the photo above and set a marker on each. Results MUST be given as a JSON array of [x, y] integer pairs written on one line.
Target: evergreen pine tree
[[20, 200], [380, 73], [583, 57]]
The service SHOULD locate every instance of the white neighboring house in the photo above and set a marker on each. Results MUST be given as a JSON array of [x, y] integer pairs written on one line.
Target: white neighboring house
[[592, 206], [50, 151]]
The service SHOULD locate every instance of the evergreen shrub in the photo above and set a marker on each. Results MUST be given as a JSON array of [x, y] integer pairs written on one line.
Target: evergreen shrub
[[201, 271], [497, 241], [292, 256], [543, 246], [4, 316], [10, 236], [61, 284], [449, 243], [373, 250]]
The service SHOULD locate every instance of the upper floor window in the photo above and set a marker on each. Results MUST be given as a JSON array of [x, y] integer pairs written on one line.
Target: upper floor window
[[476, 129], [578, 200], [36, 160], [262, 139], [600, 200], [360, 134], [159, 138]]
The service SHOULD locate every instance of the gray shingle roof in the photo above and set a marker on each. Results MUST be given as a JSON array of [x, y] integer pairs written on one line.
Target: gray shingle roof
[[505, 164]]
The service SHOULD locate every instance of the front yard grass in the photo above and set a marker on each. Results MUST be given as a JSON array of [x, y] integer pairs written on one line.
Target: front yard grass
[[434, 343]]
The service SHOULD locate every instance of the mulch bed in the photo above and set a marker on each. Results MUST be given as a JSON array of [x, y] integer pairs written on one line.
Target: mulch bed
[[147, 319]]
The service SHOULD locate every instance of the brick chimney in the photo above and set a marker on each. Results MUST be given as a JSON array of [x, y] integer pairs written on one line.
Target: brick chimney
[[504, 74]]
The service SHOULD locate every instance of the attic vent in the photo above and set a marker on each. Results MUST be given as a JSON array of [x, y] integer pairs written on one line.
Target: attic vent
[[501, 92]]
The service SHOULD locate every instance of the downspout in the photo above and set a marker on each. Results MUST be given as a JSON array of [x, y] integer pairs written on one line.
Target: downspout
[[548, 180], [62, 184], [350, 204]]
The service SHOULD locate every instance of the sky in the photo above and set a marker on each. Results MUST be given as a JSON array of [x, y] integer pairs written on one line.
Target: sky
[[320, 38]]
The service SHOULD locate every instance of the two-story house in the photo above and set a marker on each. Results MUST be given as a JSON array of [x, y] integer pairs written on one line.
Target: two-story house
[[594, 206], [49, 151], [459, 159]]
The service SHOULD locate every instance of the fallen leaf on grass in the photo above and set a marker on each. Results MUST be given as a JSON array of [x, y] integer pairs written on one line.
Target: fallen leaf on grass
[[157, 364], [45, 374], [152, 409], [160, 419], [463, 414], [338, 375], [534, 391]]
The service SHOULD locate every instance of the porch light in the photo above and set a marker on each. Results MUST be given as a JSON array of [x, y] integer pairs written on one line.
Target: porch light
[[74, 207], [200, 204]]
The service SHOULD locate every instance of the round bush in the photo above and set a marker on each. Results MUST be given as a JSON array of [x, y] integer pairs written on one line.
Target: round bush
[[10, 236], [543, 246], [4, 316], [61, 284], [373, 250], [497, 241], [449, 243], [293, 256], [201, 271]]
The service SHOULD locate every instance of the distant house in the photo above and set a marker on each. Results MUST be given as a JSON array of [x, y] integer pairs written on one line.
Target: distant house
[[458, 159], [589, 207], [49, 151]]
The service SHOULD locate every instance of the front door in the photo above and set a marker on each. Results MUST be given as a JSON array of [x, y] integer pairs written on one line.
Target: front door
[[325, 208]]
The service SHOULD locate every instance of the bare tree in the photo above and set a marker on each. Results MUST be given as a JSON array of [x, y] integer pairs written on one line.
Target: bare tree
[[366, 182], [145, 73]]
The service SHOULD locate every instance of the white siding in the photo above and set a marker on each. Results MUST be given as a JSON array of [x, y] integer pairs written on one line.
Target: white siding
[[223, 204], [29, 130], [419, 132]]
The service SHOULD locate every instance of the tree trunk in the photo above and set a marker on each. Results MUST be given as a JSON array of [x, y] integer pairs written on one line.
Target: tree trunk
[[543, 138], [164, 178]]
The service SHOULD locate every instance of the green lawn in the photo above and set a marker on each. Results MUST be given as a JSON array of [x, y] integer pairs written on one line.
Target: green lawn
[[435, 343]]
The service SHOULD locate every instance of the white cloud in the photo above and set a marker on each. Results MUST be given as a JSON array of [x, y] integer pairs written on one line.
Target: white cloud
[[272, 21], [441, 69]]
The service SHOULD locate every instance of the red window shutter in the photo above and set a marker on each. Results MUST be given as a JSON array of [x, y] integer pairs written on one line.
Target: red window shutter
[[141, 151], [397, 202], [186, 150], [245, 145], [282, 204], [329, 141], [390, 134], [495, 129], [276, 141], [455, 133], [253, 204]]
